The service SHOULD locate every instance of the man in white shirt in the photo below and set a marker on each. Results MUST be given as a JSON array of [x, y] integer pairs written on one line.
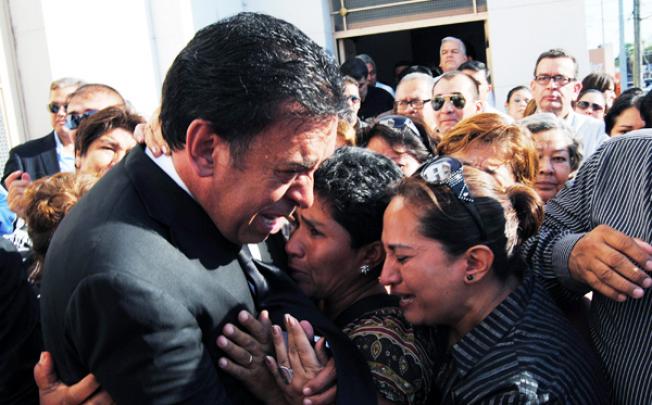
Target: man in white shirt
[[555, 87]]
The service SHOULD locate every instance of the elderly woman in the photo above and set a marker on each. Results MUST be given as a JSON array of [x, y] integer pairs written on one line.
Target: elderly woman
[[398, 138], [451, 234], [558, 153], [487, 142]]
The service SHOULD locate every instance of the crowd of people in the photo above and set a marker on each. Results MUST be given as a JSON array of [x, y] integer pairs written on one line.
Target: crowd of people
[[287, 230]]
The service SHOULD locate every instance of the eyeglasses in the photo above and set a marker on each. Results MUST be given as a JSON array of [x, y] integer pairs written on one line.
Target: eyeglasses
[[353, 99], [448, 171], [55, 107], [73, 120], [559, 80], [583, 105], [398, 122], [456, 99], [414, 104]]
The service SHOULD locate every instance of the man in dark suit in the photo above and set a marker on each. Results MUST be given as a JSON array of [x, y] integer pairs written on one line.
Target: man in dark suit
[[147, 268], [55, 151]]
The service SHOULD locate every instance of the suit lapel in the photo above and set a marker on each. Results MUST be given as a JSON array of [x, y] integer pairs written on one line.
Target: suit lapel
[[49, 158], [190, 228]]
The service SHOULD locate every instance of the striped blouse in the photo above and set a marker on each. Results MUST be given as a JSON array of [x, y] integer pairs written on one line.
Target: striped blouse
[[614, 187], [524, 352]]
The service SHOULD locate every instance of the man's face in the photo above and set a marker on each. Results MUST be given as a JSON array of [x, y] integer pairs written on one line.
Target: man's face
[[91, 102], [450, 114], [555, 97], [371, 76], [416, 90], [451, 56], [251, 198], [58, 98], [352, 95]]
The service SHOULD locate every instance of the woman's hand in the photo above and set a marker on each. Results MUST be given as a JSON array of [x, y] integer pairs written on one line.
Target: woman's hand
[[298, 368], [51, 391], [246, 352], [151, 135]]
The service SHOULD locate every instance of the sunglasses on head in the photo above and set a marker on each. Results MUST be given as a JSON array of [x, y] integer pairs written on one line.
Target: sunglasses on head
[[457, 100], [55, 107], [583, 105], [398, 122], [448, 171], [73, 120]]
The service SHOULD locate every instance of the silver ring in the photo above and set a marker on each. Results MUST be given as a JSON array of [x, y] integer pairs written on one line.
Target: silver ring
[[251, 360], [286, 373]]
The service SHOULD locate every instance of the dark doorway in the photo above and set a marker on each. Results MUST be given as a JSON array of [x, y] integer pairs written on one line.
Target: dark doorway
[[421, 46]]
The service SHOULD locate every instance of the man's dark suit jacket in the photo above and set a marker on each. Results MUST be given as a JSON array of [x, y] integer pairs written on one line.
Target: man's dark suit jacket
[[37, 157], [139, 283]]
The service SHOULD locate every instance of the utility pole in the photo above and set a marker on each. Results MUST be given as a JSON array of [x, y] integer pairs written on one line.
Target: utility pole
[[636, 68], [622, 57]]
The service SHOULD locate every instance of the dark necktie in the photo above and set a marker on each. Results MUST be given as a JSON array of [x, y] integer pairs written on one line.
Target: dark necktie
[[256, 281]]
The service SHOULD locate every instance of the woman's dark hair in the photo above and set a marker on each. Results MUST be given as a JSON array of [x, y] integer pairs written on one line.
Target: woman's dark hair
[[599, 81], [514, 90], [645, 107], [99, 124], [244, 74], [509, 216], [354, 184], [401, 140], [621, 103]]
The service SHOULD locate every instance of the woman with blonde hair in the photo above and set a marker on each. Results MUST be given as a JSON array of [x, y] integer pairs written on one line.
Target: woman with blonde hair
[[486, 141]]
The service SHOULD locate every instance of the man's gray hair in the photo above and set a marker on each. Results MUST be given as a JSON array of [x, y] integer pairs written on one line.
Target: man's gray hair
[[366, 59], [456, 40], [66, 82], [429, 80]]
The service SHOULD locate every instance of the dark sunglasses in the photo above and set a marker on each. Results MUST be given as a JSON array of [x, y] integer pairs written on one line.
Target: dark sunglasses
[[398, 122], [448, 171], [457, 100], [55, 107], [583, 105], [73, 120]]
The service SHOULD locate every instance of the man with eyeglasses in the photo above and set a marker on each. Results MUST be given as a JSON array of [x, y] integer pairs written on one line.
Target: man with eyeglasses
[[456, 96], [413, 95], [555, 87], [55, 151]]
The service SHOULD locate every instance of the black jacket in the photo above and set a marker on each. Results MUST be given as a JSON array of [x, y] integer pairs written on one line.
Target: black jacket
[[37, 157]]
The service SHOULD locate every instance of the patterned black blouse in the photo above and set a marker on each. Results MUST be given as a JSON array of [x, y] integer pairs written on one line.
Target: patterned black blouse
[[398, 354]]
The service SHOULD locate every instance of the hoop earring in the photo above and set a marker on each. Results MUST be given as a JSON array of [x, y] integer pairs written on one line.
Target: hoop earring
[[469, 277]]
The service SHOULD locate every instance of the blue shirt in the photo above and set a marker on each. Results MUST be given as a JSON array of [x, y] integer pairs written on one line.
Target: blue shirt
[[66, 163]]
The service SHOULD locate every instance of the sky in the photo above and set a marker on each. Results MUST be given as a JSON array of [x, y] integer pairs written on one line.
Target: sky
[[595, 18]]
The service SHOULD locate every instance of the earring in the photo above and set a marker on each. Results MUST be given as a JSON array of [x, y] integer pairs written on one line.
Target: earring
[[365, 269], [469, 277]]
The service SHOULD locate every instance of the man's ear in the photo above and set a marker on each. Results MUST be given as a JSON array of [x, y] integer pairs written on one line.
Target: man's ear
[[479, 259], [479, 106], [577, 87], [204, 147], [77, 160]]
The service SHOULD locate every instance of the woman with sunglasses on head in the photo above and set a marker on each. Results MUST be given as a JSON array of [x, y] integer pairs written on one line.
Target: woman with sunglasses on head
[[452, 234], [398, 138], [486, 141], [591, 102]]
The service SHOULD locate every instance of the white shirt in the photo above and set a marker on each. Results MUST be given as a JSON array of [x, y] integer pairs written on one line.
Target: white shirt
[[590, 133]]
